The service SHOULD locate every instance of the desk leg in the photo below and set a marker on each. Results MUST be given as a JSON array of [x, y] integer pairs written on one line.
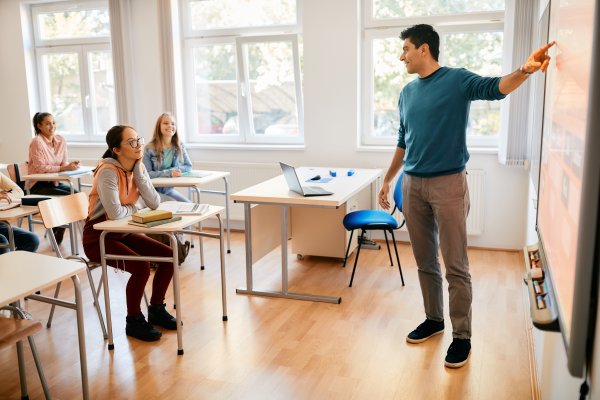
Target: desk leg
[[284, 249], [199, 227], [284, 265], [176, 293], [223, 276], [81, 334], [226, 180], [111, 345], [72, 232], [248, 242]]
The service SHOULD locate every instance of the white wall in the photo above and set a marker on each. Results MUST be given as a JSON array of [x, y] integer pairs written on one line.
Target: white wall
[[331, 95]]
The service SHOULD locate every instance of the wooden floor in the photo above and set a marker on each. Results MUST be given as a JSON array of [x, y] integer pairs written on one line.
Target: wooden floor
[[288, 349]]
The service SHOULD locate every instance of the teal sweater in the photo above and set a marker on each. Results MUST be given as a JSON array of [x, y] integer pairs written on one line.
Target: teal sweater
[[433, 119]]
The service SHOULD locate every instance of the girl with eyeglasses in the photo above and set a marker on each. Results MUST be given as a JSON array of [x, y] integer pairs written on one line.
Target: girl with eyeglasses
[[166, 156], [121, 187]]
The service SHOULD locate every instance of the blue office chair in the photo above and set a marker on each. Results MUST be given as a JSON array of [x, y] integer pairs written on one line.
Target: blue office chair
[[368, 220]]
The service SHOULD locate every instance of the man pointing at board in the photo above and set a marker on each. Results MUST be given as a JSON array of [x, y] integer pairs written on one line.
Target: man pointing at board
[[434, 110]]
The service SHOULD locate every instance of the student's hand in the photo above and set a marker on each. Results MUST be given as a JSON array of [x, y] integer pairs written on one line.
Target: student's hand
[[175, 173], [383, 196], [4, 196], [538, 60], [72, 166]]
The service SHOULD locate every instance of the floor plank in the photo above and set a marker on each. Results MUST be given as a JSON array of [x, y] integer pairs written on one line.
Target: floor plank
[[286, 349]]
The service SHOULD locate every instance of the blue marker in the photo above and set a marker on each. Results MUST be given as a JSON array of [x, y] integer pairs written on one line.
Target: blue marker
[[350, 172], [332, 172]]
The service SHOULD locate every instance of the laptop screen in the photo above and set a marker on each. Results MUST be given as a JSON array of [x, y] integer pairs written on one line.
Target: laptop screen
[[291, 178]]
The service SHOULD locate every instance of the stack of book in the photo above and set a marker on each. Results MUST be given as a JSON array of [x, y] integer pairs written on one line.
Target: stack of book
[[152, 218]]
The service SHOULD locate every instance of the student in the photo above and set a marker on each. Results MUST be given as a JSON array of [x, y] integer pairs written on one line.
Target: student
[[24, 240], [165, 155], [434, 109], [121, 184], [47, 154]]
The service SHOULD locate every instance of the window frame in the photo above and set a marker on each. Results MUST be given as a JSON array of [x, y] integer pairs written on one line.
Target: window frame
[[374, 29], [83, 47], [37, 9], [238, 38]]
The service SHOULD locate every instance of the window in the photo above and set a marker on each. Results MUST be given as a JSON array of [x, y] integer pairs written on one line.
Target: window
[[74, 66], [241, 60], [471, 35]]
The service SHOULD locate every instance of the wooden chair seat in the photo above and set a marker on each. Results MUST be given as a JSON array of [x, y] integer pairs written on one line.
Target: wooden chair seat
[[14, 330]]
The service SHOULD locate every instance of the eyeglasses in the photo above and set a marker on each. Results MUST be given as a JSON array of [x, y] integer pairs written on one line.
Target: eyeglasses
[[135, 143]]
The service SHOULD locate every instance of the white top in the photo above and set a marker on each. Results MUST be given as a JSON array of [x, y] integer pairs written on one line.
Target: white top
[[276, 191], [189, 181], [23, 273], [122, 225]]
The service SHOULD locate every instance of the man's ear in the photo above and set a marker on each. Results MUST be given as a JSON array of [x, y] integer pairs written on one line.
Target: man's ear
[[424, 48]]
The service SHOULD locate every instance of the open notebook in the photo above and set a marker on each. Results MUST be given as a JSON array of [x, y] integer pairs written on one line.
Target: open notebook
[[182, 208], [5, 206]]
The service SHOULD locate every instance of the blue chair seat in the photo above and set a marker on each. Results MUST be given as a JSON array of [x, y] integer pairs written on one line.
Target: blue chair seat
[[370, 219], [367, 220]]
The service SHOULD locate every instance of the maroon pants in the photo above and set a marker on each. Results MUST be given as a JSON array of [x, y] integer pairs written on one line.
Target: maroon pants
[[136, 244]]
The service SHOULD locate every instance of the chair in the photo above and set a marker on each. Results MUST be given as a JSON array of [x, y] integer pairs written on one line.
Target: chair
[[15, 171], [368, 220], [13, 331], [69, 210]]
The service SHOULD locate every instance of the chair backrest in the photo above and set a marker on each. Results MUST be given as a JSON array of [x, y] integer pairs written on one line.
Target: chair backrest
[[16, 171], [64, 210], [398, 192]]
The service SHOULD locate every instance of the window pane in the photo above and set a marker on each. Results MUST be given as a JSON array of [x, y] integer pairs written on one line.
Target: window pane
[[389, 77], [383, 9], [216, 89], [225, 14], [479, 52], [64, 91], [74, 24], [103, 91], [272, 88]]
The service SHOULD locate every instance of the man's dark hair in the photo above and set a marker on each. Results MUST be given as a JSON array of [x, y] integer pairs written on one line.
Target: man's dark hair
[[423, 33]]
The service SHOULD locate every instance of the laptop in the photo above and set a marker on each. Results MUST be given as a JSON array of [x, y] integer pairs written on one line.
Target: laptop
[[293, 182]]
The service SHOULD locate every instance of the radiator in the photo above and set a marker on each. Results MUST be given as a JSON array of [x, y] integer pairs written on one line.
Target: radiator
[[244, 175], [476, 182]]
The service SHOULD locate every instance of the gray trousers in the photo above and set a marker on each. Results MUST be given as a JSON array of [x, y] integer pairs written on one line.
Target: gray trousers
[[436, 209]]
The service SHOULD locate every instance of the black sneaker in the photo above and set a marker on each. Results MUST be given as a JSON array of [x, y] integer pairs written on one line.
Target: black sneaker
[[158, 315], [426, 330], [458, 353], [138, 328]]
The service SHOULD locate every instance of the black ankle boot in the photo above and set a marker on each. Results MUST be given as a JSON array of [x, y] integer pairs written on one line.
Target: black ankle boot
[[138, 328], [158, 315]]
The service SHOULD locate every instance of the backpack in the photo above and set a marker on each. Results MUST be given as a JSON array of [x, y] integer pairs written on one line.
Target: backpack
[[183, 248]]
